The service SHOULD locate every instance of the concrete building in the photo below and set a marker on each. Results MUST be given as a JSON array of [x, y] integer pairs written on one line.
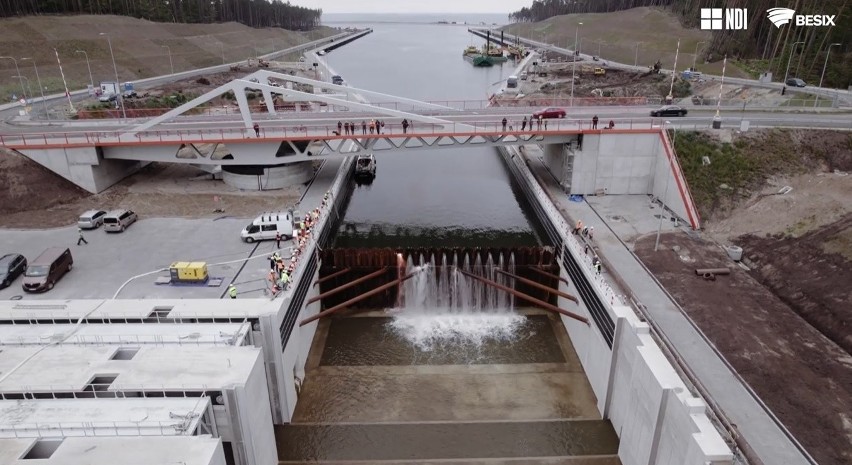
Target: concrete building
[[233, 378], [193, 450]]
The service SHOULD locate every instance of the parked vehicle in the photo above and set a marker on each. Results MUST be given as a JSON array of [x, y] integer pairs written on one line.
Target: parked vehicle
[[43, 273], [512, 82], [267, 225], [11, 266], [524, 75], [549, 113], [108, 97], [669, 110], [119, 220], [91, 219], [337, 80], [796, 82]]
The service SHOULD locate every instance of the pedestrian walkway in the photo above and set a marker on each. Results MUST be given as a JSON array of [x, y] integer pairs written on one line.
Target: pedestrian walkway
[[753, 422]]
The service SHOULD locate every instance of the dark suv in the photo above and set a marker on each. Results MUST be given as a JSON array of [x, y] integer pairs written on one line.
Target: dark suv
[[11, 266]]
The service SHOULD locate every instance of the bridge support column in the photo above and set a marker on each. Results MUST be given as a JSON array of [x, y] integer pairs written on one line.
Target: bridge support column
[[263, 178], [559, 159], [86, 167]]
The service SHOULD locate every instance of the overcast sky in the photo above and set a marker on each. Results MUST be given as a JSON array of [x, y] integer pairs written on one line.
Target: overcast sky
[[415, 6]]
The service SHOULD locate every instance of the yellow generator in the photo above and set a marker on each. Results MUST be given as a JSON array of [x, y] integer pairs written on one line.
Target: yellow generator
[[600, 72], [188, 272]]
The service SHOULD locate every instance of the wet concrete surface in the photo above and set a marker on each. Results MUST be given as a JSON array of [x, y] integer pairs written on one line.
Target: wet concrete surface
[[369, 395]]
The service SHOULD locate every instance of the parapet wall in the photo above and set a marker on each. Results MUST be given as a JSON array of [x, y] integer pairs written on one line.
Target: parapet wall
[[657, 419]]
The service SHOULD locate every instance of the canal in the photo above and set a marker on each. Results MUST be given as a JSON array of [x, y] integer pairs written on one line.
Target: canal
[[449, 197], [456, 372]]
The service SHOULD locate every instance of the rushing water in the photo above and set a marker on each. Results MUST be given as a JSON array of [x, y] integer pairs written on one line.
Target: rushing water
[[440, 303], [450, 197]]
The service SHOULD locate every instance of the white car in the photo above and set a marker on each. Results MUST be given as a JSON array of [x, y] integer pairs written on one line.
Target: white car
[[91, 219]]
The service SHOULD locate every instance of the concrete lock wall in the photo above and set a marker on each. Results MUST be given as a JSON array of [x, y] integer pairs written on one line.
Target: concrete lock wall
[[256, 418], [84, 166], [276, 177], [658, 421]]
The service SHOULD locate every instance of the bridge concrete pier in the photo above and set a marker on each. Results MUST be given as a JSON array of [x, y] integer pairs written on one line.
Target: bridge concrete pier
[[84, 166], [264, 178]]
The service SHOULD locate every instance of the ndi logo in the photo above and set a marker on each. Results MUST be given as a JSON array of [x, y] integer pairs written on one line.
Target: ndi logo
[[782, 16], [717, 19]]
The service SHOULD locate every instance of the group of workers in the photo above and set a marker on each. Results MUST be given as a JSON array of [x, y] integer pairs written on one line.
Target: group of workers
[[588, 232], [280, 274], [374, 126]]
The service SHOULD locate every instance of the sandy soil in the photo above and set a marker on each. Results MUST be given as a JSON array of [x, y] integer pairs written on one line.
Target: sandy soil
[[138, 46], [33, 197], [805, 378]]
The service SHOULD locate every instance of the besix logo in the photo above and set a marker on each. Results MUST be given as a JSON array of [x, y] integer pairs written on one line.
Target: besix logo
[[782, 16], [717, 19]]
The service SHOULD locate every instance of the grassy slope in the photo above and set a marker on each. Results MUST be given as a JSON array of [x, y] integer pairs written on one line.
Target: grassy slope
[[745, 165], [655, 30], [137, 45]]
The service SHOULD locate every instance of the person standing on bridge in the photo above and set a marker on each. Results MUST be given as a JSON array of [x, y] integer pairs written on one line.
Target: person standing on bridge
[[339, 128], [256, 130], [538, 122], [524, 124], [504, 124], [278, 239], [595, 122], [405, 126], [232, 291], [372, 126], [364, 127]]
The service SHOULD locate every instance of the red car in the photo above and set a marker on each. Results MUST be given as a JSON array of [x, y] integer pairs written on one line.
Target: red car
[[549, 113]]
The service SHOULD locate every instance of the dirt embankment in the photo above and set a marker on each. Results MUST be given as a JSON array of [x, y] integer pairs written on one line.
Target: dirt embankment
[[804, 378], [33, 197]]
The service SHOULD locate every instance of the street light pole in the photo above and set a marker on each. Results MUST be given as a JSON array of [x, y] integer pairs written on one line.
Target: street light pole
[[827, 53], [117, 82], [574, 61], [636, 58], [91, 81], [24, 92], [171, 64], [222, 46], [695, 55], [41, 88], [666, 191], [790, 59]]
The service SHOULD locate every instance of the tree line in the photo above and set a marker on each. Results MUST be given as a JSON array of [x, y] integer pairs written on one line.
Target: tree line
[[760, 40], [254, 13]]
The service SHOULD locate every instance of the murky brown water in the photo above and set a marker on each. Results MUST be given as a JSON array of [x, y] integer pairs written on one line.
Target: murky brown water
[[372, 394], [370, 341]]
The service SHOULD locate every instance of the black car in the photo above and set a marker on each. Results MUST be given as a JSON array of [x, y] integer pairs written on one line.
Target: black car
[[11, 266], [669, 110], [796, 82]]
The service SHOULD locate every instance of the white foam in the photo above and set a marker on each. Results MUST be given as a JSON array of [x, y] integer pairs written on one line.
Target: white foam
[[427, 329]]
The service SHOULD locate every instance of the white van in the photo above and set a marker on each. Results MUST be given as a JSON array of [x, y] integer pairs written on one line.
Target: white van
[[267, 225], [512, 82]]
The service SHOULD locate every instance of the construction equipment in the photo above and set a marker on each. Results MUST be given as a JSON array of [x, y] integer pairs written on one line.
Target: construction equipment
[[600, 72], [188, 272], [262, 63], [235, 68]]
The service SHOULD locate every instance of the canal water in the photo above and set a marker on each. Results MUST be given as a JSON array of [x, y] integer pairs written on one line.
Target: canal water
[[447, 197], [456, 373]]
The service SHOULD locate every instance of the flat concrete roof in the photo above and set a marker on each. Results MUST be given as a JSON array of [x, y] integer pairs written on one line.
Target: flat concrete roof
[[71, 367], [167, 416], [151, 450], [136, 308], [126, 334]]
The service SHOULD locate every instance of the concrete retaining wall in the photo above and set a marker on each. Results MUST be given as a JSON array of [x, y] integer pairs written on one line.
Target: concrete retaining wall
[[626, 163], [85, 167], [276, 177], [658, 421]]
